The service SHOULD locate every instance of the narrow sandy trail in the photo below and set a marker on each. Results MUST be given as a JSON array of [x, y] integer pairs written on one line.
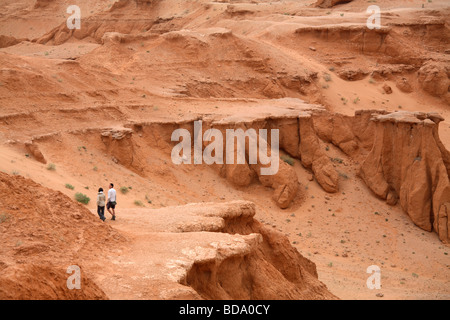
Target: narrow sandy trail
[[142, 270]]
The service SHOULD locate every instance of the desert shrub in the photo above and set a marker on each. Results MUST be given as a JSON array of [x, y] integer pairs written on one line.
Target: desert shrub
[[69, 186], [51, 167], [138, 203], [124, 190], [82, 198]]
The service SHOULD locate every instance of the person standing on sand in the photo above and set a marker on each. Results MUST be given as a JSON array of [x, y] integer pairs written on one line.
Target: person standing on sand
[[112, 201], [101, 200]]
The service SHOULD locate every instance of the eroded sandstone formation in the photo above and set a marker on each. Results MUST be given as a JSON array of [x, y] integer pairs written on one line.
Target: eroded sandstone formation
[[205, 250], [222, 252], [408, 162], [402, 159], [434, 78], [284, 182], [330, 3], [35, 152], [401, 156]]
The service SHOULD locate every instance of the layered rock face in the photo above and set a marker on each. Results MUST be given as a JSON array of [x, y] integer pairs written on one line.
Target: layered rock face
[[434, 78], [270, 260], [402, 159], [217, 251], [408, 162], [35, 152], [119, 144], [330, 3], [284, 181], [401, 156], [314, 157], [297, 137]]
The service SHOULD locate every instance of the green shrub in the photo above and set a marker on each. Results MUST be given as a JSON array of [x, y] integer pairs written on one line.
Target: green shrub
[[51, 167], [124, 190], [69, 186], [82, 198], [138, 203]]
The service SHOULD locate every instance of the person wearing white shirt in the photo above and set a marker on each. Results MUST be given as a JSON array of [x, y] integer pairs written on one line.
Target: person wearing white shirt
[[112, 201]]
